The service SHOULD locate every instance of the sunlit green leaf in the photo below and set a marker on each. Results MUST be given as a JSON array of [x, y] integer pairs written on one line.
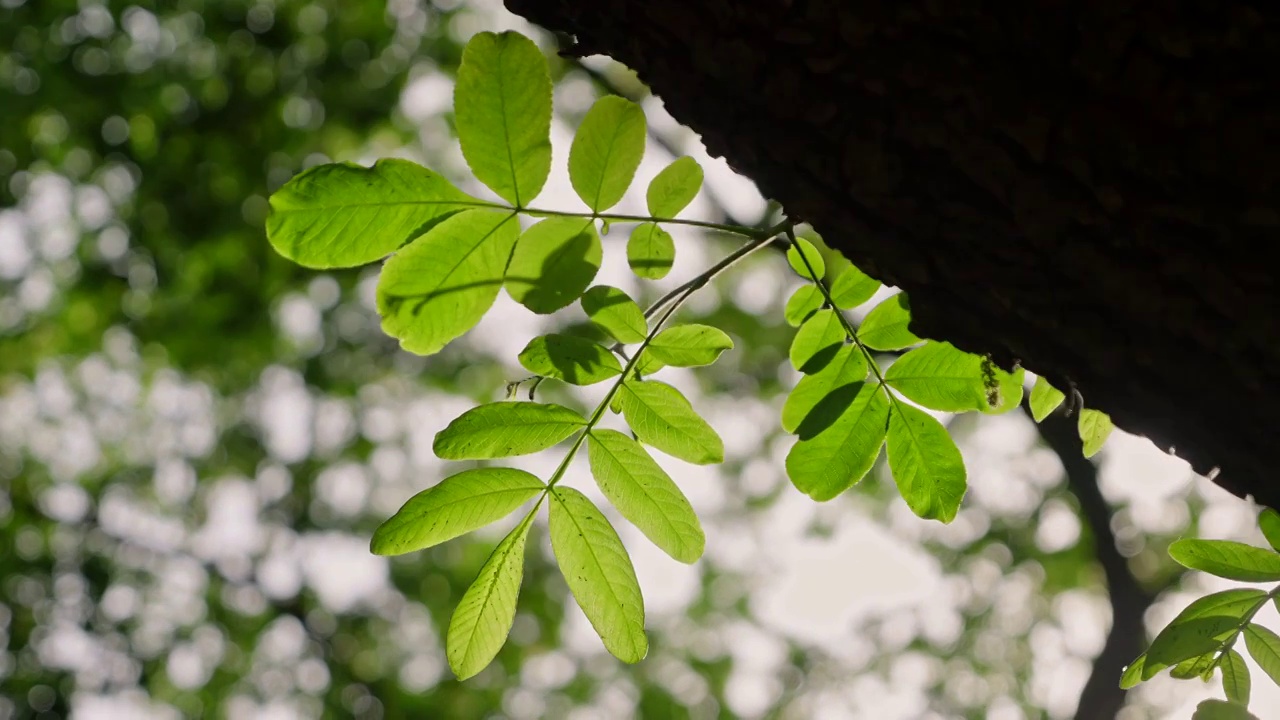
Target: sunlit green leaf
[[1004, 389], [440, 285], [1235, 677], [650, 251], [885, 327], [459, 504], [689, 345], [504, 429], [1269, 523], [483, 618], [1264, 646], [1132, 676], [938, 376], [1095, 427], [832, 461], [1194, 667], [1202, 627], [1045, 398], [803, 303], [645, 495], [674, 188], [606, 151], [852, 287], [925, 463], [818, 399], [569, 358], [342, 215], [599, 573], [811, 254], [554, 261], [502, 106], [660, 416], [817, 341], [1222, 710], [1228, 559], [616, 313]]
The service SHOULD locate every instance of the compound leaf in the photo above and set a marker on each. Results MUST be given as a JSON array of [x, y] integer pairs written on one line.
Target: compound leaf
[[504, 429], [459, 504], [440, 285], [1202, 627], [689, 345], [1227, 559], [660, 416]]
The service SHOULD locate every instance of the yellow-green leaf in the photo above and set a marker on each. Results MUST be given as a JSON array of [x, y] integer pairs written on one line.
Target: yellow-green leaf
[[483, 618], [554, 261], [674, 188], [606, 151]]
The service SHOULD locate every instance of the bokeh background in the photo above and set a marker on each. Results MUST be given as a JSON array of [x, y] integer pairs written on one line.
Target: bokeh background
[[197, 438]]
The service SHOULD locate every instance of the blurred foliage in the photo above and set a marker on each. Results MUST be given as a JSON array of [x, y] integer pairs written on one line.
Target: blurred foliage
[[197, 438]]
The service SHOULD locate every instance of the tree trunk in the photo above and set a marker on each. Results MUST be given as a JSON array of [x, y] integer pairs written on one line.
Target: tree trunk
[[1084, 187]]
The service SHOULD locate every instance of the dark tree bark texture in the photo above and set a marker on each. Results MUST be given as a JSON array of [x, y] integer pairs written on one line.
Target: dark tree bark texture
[[1088, 187]]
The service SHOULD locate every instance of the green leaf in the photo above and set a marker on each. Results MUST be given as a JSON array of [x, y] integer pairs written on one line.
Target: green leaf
[[483, 618], [554, 261], [817, 341], [852, 287], [575, 360], [660, 416], [689, 345], [615, 312], [504, 429], [1227, 559], [811, 254], [833, 460], [459, 504], [606, 151], [440, 285], [645, 495], [805, 302], [342, 215], [885, 327], [1264, 646], [818, 399], [1194, 667], [925, 464], [1045, 398], [1132, 675], [502, 107], [1095, 427], [1269, 523], [1202, 627], [1004, 389], [1222, 710], [599, 573], [674, 188], [940, 377], [1235, 677], [650, 251]]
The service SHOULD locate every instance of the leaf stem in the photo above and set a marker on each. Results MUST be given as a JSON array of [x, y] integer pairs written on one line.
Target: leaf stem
[[620, 217]]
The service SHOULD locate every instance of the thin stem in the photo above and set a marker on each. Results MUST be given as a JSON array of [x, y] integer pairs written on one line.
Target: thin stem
[[687, 290], [619, 217]]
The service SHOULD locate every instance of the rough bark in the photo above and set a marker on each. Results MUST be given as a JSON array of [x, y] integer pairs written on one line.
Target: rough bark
[[1088, 188]]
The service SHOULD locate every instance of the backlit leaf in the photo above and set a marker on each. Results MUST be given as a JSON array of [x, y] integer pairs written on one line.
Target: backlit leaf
[[852, 287], [342, 215], [811, 254], [1264, 646], [833, 460], [645, 495], [885, 327], [483, 618], [1132, 675], [1202, 627], [502, 106], [803, 303], [1235, 677], [606, 151], [459, 504], [440, 285], [569, 358], [650, 251], [940, 377], [554, 261], [1222, 710], [818, 399], [1045, 398], [504, 429], [1269, 523], [674, 188], [615, 312], [599, 573], [1095, 427], [817, 341], [925, 463], [689, 345], [660, 416], [1227, 559]]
